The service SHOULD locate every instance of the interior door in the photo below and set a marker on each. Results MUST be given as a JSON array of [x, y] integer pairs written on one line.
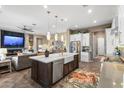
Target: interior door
[[101, 46]]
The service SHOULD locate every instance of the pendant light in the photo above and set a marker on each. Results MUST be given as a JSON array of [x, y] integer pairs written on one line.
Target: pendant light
[[48, 32], [56, 35], [62, 36], [48, 35]]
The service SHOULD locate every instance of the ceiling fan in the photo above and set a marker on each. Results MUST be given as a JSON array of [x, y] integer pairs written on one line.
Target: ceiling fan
[[27, 28], [85, 6]]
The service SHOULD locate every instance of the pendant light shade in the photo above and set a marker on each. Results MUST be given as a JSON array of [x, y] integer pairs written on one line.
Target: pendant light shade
[[56, 37], [62, 38], [48, 35]]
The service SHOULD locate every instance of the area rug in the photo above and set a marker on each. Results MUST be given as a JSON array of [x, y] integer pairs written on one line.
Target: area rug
[[80, 79]]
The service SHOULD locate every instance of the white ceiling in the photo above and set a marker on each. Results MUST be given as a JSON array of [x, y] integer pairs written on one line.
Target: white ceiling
[[18, 15]]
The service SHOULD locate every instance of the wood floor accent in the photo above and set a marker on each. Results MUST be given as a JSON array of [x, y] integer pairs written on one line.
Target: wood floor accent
[[22, 79]]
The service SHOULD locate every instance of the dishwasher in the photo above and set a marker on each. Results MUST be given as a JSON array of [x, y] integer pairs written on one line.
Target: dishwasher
[[57, 70]]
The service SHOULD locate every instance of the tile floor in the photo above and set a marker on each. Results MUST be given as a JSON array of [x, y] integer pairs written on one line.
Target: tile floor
[[22, 79]]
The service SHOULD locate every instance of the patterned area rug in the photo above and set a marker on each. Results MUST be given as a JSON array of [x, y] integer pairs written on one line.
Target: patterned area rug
[[80, 79]]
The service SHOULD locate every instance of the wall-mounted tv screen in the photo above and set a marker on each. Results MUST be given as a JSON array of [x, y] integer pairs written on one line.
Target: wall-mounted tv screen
[[12, 39]]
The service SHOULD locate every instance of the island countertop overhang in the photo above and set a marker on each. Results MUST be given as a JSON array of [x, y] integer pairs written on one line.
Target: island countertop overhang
[[53, 57]]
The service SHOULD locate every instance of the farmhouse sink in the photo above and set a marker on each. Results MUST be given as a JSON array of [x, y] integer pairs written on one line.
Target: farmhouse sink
[[68, 59]]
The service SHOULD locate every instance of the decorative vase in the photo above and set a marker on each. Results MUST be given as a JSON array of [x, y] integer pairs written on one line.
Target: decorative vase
[[46, 53]]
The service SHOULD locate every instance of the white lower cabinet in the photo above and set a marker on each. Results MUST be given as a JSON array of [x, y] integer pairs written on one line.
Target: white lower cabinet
[[85, 57]]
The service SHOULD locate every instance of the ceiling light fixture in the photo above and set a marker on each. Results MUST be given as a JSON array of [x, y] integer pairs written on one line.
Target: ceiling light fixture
[[62, 38], [48, 32], [85, 5], [76, 26], [65, 19], [48, 35], [62, 26], [56, 35], [94, 21], [90, 11], [45, 6]]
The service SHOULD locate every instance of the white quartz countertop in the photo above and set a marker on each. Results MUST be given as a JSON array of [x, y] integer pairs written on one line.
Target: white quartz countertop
[[111, 75], [52, 57]]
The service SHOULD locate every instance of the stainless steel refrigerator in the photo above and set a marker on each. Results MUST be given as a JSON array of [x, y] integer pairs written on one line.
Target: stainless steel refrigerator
[[75, 47]]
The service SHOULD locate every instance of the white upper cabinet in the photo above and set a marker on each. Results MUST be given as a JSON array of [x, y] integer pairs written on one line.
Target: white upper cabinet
[[76, 37], [83, 38], [121, 23]]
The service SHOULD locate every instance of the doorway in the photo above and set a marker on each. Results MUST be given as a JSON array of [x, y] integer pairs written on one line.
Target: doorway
[[101, 46], [99, 43], [39, 42]]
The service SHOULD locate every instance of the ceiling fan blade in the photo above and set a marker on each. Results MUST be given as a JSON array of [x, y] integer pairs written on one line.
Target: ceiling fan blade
[[19, 27], [26, 28], [29, 30]]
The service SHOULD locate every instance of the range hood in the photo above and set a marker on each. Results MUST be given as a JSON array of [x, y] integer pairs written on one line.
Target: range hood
[[114, 29]]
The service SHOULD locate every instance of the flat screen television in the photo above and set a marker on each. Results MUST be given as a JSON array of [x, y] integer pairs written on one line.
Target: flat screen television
[[12, 39]]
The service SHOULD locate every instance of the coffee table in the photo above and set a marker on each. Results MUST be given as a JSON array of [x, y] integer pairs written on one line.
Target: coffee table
[[6, 62]]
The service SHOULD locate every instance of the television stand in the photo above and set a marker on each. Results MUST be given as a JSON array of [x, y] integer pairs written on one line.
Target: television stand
[[13, 51]]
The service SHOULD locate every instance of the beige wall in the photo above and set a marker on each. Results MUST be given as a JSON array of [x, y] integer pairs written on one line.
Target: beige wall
[[34, 40], [49, 43], [26, 40]]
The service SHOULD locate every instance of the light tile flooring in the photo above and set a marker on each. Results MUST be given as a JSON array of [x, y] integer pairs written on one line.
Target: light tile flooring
[[22, 79]]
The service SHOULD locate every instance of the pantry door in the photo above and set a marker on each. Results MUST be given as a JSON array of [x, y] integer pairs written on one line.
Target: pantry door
[[101, 46]]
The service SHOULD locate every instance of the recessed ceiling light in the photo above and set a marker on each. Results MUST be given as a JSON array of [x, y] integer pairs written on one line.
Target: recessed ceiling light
[[94, 21], [90, 11], [45, 6], [76, 26], [66, 19]]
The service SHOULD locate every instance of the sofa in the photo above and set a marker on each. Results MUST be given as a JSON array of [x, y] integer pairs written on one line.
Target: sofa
[[22, 61]]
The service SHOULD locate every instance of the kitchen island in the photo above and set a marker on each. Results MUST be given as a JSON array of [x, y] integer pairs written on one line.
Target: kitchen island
[[48, 70]]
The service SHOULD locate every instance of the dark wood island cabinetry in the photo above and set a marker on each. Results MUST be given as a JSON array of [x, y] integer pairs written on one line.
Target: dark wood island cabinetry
[[69, 67], [42, 72]]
